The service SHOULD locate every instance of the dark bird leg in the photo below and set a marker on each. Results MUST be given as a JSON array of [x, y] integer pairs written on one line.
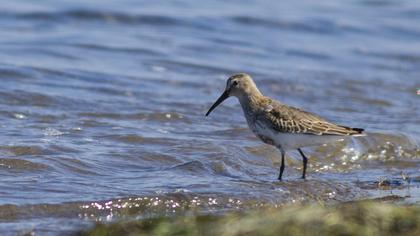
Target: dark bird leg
[[282, 163], [305, 162]]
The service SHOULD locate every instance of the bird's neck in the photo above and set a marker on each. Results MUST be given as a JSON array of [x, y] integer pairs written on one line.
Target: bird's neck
[[250, 101]]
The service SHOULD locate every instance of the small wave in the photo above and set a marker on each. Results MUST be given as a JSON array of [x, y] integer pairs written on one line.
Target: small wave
[[25, 150], [14, 73], [35, 99], [171, 203], [136, 139], [108, 48], [375, 151], [308, 54], [75, 166], [21, 165], [56, 54], [403, 57], [25, 98], [408, 32], [191, 166], [195, 67], [222, 169], [53, 132], [19, 116], [380, 3], [95, 15], [318, 26], [162, 204], [155, 116]]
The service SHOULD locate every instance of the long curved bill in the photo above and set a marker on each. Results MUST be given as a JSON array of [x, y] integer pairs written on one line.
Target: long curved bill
[[219, 100]]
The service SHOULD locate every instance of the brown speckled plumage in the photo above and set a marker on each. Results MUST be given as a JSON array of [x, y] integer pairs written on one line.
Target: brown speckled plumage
[[287, 119], [280, 125]]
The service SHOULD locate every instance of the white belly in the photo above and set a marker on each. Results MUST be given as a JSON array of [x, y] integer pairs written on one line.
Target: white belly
[[294, 141], [289, 141]]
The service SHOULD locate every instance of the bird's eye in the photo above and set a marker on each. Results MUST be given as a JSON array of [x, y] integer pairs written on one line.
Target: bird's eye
[[235, 83]]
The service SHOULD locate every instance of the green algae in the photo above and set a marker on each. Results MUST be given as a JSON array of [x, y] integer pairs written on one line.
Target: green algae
[[357, 218]]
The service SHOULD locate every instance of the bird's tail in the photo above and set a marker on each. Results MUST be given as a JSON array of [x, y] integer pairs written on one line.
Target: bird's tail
[[355, 131]]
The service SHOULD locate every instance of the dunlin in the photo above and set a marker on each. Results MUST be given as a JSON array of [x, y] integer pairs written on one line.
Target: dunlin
[[280, 125]]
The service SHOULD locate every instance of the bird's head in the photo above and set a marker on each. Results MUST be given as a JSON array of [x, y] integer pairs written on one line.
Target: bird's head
[[238, 85]]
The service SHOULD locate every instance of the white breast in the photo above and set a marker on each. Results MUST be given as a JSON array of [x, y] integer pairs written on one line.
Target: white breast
[[289, 141], [294, 141]]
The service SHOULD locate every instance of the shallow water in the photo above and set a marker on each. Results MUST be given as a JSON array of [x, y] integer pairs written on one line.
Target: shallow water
[[102, 106]]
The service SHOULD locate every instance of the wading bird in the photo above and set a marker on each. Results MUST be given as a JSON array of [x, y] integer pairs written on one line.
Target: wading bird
[[280, 125]]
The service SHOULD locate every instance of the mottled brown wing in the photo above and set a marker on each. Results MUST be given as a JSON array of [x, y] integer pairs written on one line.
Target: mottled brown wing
[[287, 119]]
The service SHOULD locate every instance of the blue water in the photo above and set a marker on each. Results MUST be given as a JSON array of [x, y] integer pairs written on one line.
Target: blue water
[[104, 101]]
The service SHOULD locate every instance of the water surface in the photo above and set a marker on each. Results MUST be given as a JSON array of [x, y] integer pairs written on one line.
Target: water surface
[[102, 106]]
